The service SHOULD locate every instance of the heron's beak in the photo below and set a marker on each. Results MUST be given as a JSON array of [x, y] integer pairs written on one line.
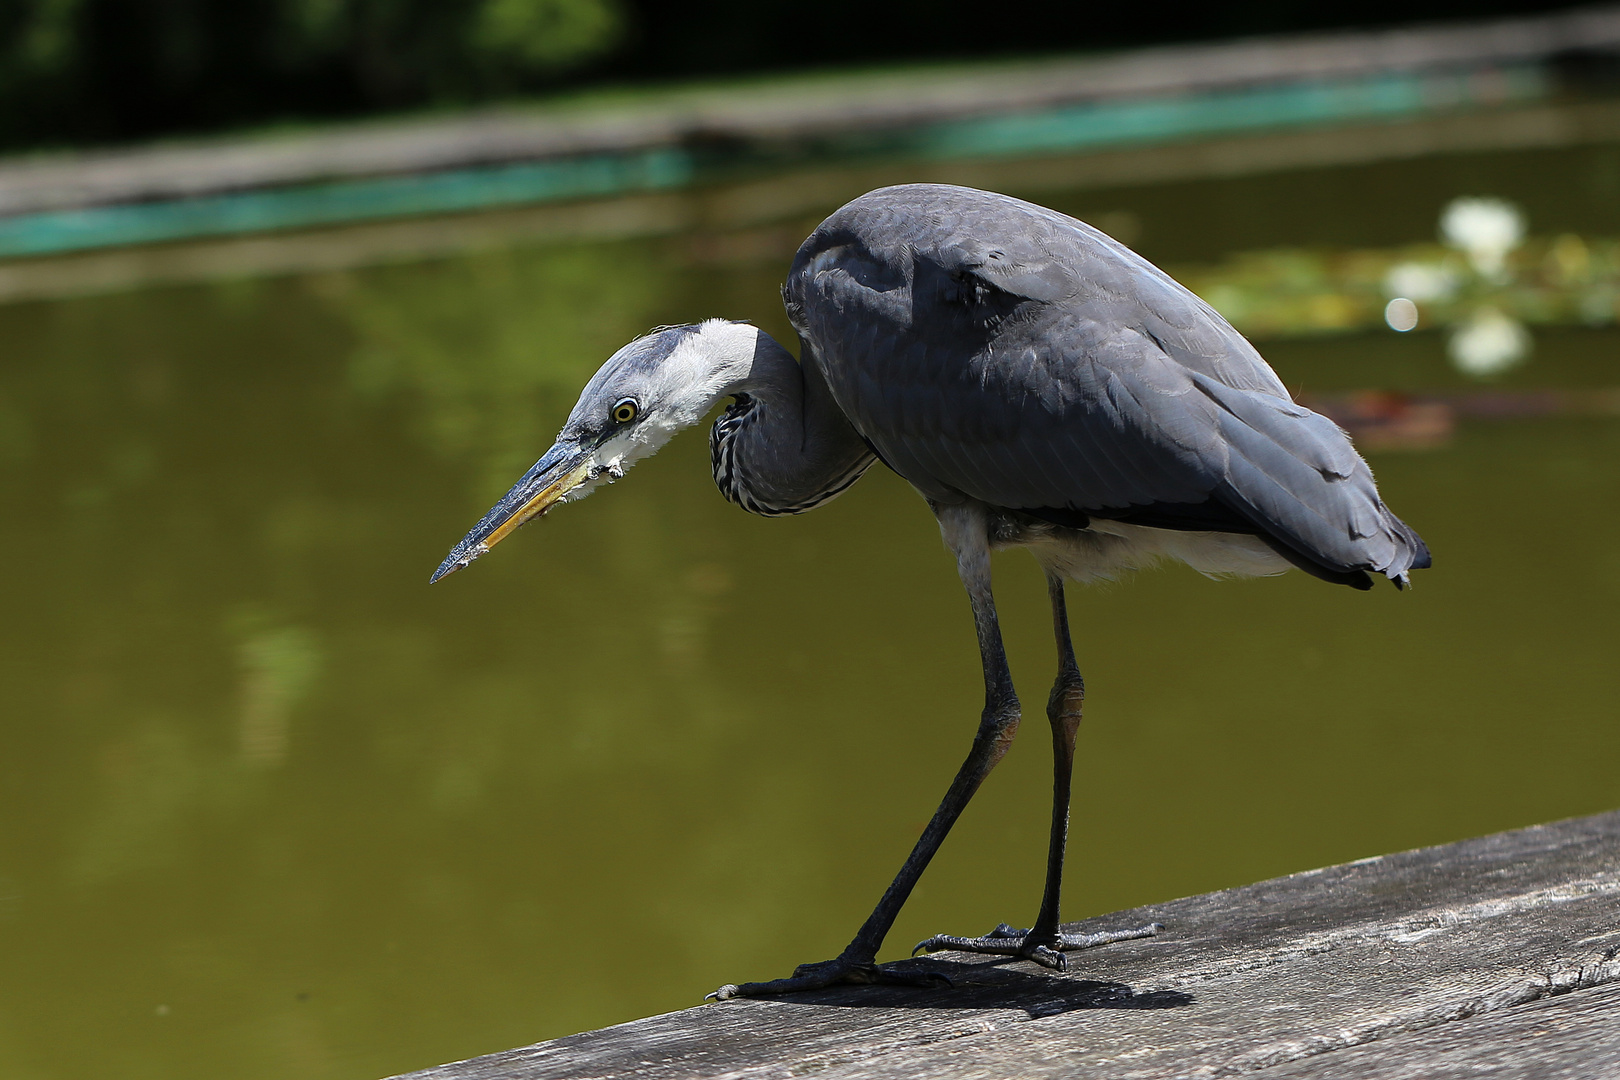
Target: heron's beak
[[561, 470]]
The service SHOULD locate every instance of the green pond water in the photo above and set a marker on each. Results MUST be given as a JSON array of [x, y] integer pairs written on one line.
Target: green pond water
[[272, 807]]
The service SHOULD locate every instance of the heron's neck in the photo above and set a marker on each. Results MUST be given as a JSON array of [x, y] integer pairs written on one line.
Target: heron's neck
[[784, 446]]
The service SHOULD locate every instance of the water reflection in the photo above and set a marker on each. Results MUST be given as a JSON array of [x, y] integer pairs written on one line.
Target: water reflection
[[480, 347], [271, 807], [279, 665]]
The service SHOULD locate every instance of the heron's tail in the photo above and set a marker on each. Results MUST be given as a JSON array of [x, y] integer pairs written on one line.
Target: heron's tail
[[1413, 553], [1295, 475], [1410, 553]]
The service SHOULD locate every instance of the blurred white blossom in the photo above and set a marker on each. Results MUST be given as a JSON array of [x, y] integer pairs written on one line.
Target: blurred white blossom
[[1483, 229], [1489, 343]]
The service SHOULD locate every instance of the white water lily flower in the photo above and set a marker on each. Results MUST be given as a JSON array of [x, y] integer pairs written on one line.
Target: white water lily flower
[[1489, 343], [1483, 229]]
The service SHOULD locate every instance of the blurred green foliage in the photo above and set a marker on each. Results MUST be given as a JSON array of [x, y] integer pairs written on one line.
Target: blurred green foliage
[[544, 34], [75, 70], [84, 71]]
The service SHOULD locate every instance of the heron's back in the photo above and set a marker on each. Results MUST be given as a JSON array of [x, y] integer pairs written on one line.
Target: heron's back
[[995, 350]]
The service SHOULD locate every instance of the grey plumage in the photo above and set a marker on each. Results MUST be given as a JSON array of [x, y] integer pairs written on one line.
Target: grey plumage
[[990, 348], [1042, 386]]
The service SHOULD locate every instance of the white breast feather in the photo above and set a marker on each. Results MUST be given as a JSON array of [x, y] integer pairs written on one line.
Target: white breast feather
[[1110, 548]]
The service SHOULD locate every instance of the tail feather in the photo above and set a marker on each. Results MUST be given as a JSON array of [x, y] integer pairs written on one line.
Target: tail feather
[[1295, 475]]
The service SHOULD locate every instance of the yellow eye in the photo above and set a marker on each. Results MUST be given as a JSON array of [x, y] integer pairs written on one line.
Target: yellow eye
[[624, 411]]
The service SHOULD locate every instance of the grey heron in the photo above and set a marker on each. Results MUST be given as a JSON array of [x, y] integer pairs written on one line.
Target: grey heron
[[1041, 386]]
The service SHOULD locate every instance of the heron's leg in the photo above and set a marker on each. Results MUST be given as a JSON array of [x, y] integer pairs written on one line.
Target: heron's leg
[[966, 535], [1045, 942], [1063, 708]]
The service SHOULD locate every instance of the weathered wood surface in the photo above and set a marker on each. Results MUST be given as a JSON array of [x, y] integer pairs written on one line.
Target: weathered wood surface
[[1492, 957], [1568, 1035]]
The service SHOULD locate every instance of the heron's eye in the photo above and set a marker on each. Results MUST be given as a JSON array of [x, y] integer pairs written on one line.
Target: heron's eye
[[624, 411]]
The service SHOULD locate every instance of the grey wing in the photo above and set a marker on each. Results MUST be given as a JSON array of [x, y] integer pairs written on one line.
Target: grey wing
[[996, 350]]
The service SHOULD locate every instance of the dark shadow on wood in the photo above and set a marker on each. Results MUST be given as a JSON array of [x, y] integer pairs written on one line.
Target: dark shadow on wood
[[991, 984]]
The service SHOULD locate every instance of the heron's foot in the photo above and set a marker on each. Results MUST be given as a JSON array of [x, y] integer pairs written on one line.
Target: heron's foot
[[1044, 949], [830, 973]]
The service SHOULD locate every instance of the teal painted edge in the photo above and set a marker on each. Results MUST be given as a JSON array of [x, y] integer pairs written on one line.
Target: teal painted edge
[[338, 203], [1070, 128], [1166, 119]]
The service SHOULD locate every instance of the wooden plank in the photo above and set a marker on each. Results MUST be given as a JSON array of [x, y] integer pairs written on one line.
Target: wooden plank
[[1573, 1036], [1298, 972]]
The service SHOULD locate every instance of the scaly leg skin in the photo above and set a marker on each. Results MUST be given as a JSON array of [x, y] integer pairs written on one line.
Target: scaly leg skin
[[1045, 943], [1046, 950]]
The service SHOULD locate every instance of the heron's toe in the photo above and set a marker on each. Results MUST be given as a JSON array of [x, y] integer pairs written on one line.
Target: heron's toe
[[1047, 949], [1070, 942]]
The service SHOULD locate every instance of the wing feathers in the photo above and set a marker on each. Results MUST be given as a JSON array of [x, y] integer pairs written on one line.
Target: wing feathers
[[989, 348]]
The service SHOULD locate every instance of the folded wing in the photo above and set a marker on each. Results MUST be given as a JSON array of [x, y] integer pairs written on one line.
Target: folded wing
[[996, 350]]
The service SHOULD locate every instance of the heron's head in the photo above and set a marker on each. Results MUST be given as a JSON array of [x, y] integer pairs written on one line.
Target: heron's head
[[633, 405]]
